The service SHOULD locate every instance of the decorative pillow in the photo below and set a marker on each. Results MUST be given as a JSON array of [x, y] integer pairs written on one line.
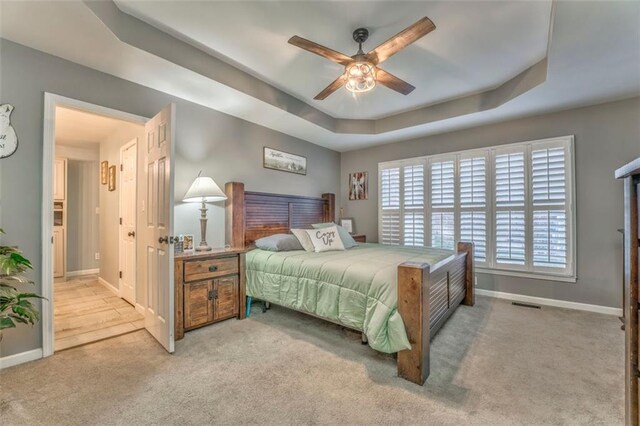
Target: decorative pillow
[[347, 239], [303, 239], [279, 242], [325, 239]]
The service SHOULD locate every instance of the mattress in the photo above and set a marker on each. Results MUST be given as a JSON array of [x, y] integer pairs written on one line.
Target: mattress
[[356, 287]]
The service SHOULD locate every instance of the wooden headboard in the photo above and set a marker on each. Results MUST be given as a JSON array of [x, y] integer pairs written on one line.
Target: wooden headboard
[[253, 215]]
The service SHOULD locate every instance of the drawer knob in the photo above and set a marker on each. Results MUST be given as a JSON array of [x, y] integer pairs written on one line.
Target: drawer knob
[[213, 268]]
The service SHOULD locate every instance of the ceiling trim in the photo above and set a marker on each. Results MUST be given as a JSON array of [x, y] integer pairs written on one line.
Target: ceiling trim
[[139, 34]]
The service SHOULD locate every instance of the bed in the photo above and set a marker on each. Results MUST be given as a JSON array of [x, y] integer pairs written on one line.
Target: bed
[[398, 296]]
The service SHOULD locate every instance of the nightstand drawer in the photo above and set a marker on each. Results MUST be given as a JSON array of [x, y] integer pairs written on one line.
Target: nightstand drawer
[[196, 270]]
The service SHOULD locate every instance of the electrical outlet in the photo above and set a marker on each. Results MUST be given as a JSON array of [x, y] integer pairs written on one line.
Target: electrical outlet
[[97, 256]]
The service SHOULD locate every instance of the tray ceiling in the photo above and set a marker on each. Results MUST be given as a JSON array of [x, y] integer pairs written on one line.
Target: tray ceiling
[[593, 57], [476, 45]]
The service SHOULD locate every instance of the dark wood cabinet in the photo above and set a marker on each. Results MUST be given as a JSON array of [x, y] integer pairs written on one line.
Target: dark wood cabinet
[[209, 287], [630, 173]]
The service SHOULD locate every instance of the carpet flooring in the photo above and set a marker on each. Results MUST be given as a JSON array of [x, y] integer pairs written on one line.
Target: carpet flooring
[[492, 364]]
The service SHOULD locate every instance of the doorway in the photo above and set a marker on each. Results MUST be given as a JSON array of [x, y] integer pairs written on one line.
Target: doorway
[[94, 202], [94, 249]]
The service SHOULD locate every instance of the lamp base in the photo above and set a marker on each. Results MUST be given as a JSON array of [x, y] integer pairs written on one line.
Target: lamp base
[[203, 248]]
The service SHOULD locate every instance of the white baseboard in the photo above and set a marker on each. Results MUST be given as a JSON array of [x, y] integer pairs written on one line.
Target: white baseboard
[[11, 360], [140, 309], [550, 302], [83, 272], [106, 283]]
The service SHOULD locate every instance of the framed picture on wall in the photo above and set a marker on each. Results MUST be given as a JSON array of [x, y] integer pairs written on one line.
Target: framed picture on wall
[[283, 161], [112, 178], [104, 172], [359, 186]]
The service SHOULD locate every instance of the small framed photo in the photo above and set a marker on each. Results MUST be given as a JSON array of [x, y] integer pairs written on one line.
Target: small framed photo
[[112, 178], [348, 224], [187, 242], [178, 245], [104, 172]]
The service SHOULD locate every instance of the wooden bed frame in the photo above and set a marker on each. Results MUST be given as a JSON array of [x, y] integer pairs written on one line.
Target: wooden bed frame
[[427, 295]]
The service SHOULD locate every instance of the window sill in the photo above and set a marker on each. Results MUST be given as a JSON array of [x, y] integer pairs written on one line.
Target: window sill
[[532, 275]]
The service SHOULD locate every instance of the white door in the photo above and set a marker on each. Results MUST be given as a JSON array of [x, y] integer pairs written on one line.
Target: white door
[[128, 181], [58, 252], [60, 179], [158, 159]]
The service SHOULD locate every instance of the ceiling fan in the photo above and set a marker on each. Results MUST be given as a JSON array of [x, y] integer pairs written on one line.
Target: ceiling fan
[[361, 70]]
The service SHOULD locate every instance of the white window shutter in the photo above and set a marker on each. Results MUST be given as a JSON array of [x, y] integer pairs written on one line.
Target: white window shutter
[[473, 203], [442, 184], [390, 206], [413, 205], [548, 187], [509, 173]]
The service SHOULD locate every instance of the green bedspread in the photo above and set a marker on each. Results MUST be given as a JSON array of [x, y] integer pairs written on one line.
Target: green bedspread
[[356, 288]]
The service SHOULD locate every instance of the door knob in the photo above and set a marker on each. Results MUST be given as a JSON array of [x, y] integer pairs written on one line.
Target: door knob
[[164, 239], [131, 233]]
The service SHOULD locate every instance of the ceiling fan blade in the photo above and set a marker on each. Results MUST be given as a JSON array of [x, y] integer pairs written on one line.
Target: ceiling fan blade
[[401, 40], [319, 49], [393, 82], [335, 85]]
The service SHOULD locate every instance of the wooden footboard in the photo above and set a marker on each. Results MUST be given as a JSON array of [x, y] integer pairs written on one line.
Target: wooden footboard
[[427, 296]]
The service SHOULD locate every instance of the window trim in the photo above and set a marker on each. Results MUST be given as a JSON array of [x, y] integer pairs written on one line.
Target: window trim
[[569, 274]]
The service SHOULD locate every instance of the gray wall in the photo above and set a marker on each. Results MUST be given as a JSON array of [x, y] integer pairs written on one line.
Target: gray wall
[[83, 238], [606, 137], [223, 146]]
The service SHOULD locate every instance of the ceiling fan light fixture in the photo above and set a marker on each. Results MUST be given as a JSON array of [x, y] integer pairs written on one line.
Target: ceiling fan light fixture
[[360, 77]]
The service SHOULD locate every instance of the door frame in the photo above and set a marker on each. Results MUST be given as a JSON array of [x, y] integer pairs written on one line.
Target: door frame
[[51, 101], [136, 302]]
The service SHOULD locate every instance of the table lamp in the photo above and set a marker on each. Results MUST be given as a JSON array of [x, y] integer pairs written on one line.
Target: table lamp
[[203, 190]]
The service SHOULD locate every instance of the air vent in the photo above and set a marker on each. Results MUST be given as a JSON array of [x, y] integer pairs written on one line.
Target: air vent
[[525, 305]]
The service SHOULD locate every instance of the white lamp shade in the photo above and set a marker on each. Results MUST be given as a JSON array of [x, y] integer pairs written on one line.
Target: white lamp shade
[[204, 189]]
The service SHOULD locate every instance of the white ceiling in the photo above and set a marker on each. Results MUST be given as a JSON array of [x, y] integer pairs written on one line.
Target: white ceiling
[[594, 56], [476, 45], [82, 129]]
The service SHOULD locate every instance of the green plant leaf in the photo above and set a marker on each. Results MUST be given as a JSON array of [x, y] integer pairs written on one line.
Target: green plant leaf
[[6, 322]]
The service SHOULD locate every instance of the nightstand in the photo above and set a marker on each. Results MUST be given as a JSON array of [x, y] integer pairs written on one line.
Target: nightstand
[[209, 287], [359, 238]]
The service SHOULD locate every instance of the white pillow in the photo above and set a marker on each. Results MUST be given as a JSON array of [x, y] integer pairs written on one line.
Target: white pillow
[[325, 239], [303, 237]]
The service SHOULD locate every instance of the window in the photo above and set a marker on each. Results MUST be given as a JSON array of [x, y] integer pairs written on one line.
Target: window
[[515, 202], [402, 207]]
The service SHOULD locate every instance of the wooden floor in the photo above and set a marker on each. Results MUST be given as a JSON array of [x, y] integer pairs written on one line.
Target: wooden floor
[[85, 311]]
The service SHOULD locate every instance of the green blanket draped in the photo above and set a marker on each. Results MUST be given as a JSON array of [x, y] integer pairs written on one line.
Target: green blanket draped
[[356, 288]]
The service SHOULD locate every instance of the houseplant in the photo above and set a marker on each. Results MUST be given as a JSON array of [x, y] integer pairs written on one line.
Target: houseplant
[[15, 306]]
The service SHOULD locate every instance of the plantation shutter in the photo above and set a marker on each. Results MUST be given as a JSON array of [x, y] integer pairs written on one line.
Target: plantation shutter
[[389, 227], [549, 193], [413, 206], [442, 194], [514, 202], [510, 232], [473, 202]]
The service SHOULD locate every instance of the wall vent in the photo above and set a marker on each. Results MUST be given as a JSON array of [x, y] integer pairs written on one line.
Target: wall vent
[[526, 305]]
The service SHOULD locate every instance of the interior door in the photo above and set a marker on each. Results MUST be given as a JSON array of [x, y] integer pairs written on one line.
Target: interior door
[[158, 159], [128, 182]]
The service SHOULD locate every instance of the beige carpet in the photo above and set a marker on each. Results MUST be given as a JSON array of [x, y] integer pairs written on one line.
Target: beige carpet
[[493, 364]]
